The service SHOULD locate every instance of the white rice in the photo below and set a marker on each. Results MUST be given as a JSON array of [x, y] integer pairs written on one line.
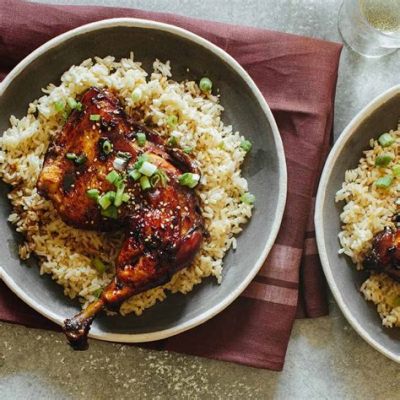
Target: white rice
[[66, 253], [366, 212]]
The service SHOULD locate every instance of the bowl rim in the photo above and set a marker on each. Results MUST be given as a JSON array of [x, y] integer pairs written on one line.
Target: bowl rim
[[341, 142], [222, 55]]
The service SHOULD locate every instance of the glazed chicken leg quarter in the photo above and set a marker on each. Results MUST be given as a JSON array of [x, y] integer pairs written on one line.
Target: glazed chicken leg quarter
[[104, 171]]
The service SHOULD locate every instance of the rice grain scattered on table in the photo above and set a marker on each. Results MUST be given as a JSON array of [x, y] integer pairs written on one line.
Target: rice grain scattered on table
[[66, 253], [367, 211]]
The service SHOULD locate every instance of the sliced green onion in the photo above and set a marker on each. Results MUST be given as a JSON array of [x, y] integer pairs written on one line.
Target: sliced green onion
[[97, 293], [221, 145], [125, 197], [145, 183], [72, 103], [190, 180], [383, 160], [396, 170], [188, 150], [134, 174], [248, 198], [384, 182], [59, 106], [107, 146], [148, 169], [159, 176], [137, 94], [93, 194], [94, 117], [118, 195], [71, 156], [79, 106], [386, 140], [141, 138], [110, 212], [205, 84], [246, 145], [113, 176], [140, 160], [172, 121], [99, 265], [106, 200], [81, 159], [172, 141], [124, 154]]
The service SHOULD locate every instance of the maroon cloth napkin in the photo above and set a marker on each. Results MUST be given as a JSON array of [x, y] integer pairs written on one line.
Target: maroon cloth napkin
[[297, 76]]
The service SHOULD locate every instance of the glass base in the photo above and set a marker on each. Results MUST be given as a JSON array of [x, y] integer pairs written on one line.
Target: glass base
[[360, 42]]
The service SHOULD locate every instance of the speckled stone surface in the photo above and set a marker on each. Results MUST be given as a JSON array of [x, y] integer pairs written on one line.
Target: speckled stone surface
[[326, 359]]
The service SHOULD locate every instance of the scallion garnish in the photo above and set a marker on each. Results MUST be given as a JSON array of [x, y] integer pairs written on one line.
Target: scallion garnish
[[106, 200], [113, 176], [145, 183], [93, 194], [118, 195], [134, 174], [147, 168], [125, 197], [172, 141], [386, 140], [190, 180], [107, 147], [97, 293], [383, 160], [159, 177], [384, 182], [110, 212], [248, 198], [246, 145], [71, 156], [205, 84], [187, 150], [81, 159], [141, 138], [71, 102], [99, 265], [140, 160], [94, 117], [172, 121], [124, 154]]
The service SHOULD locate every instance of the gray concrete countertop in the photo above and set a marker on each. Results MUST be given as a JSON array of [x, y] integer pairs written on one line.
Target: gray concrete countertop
[[326, 359]]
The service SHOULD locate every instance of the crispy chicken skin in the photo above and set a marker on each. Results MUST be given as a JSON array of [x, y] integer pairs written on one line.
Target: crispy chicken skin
[[385, 253], [163, 224]]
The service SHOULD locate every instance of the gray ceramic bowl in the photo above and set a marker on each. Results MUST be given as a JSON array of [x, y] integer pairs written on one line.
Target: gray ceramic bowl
[[381, 115], [245, 109]]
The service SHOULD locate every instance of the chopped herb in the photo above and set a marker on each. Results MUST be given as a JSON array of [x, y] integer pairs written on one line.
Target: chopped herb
[[383, 160], [106, 200], [71, 102], [81, 159], [396, 170], [120, 163], [94, 117], [147, 169], [386, 140], [134, 174], [205, 84], [172, 141], [384, 182], [125, 197], [246, 145], [141, 138], [110, 212], [124, 154], [187, 150], [99, 265], [93, 194], [107, 146], [113, 176], [71, 156], [172, 121], [118, 195], [159, 177], [248, 198], [145, 183], [140, 160], [190, 180]]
